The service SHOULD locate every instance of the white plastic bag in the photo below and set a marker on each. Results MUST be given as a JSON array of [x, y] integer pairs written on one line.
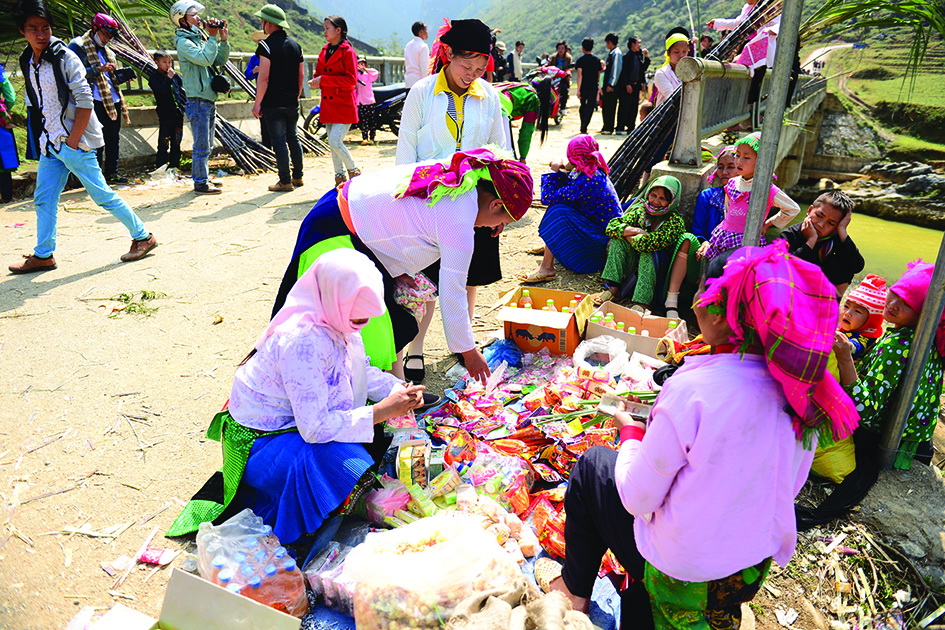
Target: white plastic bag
[[414, 576], [602, 353]]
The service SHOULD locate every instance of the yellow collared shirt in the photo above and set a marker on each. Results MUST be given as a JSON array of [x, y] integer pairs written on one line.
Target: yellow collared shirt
[[455, 102]]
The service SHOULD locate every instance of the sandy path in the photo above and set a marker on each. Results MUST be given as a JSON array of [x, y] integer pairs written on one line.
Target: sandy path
[[124, 401]]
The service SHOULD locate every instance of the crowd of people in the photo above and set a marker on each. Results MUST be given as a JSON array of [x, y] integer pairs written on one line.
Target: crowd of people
[[696, 502]]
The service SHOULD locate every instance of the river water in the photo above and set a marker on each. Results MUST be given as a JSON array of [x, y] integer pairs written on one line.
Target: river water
[[887, 246]]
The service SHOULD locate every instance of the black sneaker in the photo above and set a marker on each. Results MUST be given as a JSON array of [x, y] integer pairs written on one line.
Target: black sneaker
[[115, 178], [207, 189]]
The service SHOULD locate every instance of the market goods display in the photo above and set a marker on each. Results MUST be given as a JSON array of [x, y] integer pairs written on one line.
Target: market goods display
[[414, 576]]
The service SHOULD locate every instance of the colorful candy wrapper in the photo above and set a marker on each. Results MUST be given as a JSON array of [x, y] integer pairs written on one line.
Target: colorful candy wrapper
[[551, 535], [406, 421], [415, 299], [160, 557]]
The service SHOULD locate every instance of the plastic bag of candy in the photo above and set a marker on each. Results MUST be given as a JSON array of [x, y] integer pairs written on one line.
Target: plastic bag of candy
[[414, 576], [415, 298]]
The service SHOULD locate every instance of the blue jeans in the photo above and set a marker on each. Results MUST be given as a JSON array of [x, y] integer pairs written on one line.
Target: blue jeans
[[282, 123], [54, 169], [341, 157], [202, 116]]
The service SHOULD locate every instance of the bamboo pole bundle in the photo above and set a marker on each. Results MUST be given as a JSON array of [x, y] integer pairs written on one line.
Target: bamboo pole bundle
[[310, 143], [250, 156], [641, 148]]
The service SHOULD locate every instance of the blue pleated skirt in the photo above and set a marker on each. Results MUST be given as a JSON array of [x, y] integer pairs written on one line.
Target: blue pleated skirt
[[578, 242], [293, 485]]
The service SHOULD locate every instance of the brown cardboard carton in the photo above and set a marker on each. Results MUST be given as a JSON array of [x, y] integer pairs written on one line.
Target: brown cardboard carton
[[656, 327], [534, 329]]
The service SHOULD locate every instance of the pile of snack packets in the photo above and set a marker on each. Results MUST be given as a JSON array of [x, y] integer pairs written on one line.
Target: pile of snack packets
[[505, 444], [499, 453]]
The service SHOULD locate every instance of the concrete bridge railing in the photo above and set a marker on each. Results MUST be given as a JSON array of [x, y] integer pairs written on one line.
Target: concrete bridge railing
[[715, 98]]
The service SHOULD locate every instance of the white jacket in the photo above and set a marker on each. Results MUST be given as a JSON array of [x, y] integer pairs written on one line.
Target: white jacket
[[423, 133]]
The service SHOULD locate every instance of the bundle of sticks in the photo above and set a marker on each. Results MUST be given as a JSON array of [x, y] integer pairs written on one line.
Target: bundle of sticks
[[310, 142], [644, 144]]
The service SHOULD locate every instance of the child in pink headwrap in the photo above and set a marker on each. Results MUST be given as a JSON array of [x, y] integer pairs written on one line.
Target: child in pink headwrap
[[581, 202], [877, 379]]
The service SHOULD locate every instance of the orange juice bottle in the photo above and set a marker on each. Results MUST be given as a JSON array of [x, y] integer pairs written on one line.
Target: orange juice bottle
[[526, 299]]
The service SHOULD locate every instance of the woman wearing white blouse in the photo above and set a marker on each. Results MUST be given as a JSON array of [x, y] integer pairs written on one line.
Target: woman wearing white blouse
[[452, 110]]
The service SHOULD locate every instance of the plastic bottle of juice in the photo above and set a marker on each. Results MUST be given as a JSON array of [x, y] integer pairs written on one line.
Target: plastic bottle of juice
[[595, 319], [545, 308], [620, 327], [526, 299], [609, 321], [565, 309], [573, 304], [673, 324], [578, 297], [550, 304], [632, 330], [528, 306], [644, 333]]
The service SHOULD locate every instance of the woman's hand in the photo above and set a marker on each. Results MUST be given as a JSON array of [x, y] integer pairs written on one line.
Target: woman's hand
[[408, 280], [630, 232], [842, 346], [398, 403], [315, 83], [710, 24], [624, 419], [476, 365]]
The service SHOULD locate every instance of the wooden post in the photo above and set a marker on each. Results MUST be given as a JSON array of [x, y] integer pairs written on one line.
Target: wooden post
[[774, 116], [919, 351]]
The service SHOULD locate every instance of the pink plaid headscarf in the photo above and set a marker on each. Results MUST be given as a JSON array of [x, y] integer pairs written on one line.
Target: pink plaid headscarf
[[341, 285], [512, 179], [788, 307], [584, 153]]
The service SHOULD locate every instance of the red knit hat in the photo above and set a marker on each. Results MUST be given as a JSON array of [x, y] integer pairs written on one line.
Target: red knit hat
[[872, 294]]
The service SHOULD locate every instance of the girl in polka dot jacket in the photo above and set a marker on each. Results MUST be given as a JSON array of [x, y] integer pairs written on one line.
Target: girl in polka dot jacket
[[882, 368]]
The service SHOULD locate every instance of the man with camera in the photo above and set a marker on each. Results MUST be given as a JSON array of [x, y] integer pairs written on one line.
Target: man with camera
[[104, 77], [198, 53]]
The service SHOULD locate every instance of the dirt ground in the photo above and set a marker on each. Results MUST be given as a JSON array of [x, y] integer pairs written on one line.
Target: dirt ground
[[103, 411]]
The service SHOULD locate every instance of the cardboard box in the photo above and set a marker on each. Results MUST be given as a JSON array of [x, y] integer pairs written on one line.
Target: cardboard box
[[657, 327], [533, 329], [192, 603]]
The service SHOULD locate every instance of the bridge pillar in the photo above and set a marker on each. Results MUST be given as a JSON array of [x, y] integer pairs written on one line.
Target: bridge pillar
[[789, 170], [693, 180]]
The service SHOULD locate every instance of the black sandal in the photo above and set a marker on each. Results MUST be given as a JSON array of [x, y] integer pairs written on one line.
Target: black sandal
[[412, 374]]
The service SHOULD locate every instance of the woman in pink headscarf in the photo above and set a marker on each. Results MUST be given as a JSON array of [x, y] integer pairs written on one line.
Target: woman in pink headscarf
[[581, 201], [298, 433]]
